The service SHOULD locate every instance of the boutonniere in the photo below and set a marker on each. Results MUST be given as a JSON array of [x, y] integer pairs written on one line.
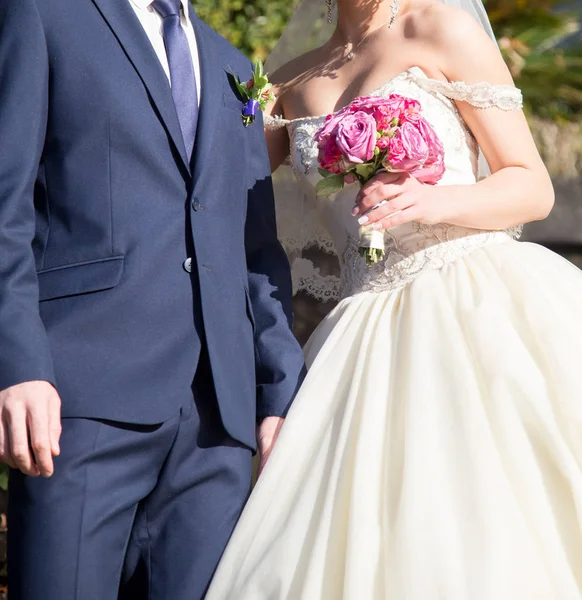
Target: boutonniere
[[256, 93]]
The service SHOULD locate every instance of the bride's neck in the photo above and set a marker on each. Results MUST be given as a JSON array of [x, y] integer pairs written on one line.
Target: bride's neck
[[357, 18]]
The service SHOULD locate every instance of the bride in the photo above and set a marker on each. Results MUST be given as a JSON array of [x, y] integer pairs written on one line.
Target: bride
[[435, 448]]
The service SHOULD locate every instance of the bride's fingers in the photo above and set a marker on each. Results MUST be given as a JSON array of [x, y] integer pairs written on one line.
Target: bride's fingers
[[382, 178], [372, 196], [384, 209], [398, 218], [384, 187]]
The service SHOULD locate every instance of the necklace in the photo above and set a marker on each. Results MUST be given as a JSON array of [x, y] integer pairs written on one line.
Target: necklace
[[351, 54]]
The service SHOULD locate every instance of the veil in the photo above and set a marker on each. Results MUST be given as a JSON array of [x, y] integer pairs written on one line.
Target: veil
[[300, 231]]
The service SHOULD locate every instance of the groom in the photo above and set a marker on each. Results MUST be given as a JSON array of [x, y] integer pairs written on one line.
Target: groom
[[142, 287]]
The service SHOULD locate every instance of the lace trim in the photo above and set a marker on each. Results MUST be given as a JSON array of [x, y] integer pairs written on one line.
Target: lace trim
[[438, 246], [480, 95], [303, 145], [299, 225], [307, 278], [273, 123]]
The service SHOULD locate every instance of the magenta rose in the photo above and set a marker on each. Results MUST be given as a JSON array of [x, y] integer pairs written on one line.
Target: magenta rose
[[356, 137], [408, 150], [396, 154], [393, 108], [383, 143], [434, 167], [330, 156], [327, 130], [432, 171], [386, 118], [367, 104]]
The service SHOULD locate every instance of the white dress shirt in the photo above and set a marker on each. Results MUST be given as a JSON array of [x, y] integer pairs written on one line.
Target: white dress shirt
[[152, 23]]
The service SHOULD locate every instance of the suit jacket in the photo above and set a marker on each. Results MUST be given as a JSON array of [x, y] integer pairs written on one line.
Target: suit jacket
[[100, 207]]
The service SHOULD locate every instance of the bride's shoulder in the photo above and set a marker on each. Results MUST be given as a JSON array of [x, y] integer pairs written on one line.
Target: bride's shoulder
[[442, 26], [458, 44]]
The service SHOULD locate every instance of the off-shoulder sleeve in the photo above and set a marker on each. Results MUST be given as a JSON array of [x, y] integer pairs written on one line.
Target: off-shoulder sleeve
[[480, 95], [272, 123]]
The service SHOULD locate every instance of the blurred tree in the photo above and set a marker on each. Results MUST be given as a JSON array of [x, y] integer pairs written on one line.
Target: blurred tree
[[541, 44], [253, 26]]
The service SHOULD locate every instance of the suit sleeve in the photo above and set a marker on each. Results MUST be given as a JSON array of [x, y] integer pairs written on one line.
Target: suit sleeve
[[279, 359], [24, 348]]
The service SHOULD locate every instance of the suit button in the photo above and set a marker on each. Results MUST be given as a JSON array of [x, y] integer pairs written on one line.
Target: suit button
[[188, 265], [196, 205]]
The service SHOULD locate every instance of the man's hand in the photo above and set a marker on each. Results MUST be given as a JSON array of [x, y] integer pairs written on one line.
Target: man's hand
[[267, 434], [30, 427]]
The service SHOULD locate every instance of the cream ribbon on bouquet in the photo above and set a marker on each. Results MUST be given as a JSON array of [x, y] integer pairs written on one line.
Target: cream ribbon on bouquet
[[372, 240]]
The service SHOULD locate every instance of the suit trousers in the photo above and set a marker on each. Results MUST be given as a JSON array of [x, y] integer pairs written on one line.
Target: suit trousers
[[132, 512]]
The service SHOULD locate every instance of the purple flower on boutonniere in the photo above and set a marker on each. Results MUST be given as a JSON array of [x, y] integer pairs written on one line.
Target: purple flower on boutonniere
[[250, 109], [256, 93]]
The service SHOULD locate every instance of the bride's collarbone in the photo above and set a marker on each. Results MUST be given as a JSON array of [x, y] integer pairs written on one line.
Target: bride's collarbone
[[326, 94], [325, 87]]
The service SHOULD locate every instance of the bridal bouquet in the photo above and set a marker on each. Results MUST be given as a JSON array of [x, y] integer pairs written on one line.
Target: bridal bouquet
[[373, 134]]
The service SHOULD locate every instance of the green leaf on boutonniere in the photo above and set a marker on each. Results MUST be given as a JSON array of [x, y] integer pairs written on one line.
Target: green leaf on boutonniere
[[330, 185], [261, 83], [241, 87]]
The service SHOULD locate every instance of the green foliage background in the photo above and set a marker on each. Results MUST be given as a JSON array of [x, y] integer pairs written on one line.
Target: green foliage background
[[253, 26], [538, 39]]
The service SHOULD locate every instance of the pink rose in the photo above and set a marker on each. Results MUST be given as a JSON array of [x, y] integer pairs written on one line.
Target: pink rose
[[386, 118], [411, 117], [330, 156], [396, 154], [326, 130], [383, 143], [392, 111], [408, 150], [432, 172], [367, 104], [434, 167], [356, 137]]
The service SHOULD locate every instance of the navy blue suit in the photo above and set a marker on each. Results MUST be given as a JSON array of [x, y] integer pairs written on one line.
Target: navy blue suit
[[100, 207]]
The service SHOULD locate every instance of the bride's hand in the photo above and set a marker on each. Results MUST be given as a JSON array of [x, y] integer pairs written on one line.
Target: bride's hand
[[404, 199], [267, 434]]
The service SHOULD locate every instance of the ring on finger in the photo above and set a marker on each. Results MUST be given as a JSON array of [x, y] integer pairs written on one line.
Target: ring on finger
[[379, 224], [364, 218]]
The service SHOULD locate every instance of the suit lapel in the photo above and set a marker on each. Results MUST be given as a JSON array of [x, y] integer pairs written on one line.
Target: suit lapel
[[212, 77], [130, 34]]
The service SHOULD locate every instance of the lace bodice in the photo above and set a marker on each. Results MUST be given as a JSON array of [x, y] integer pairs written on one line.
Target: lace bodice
[[410, 248]]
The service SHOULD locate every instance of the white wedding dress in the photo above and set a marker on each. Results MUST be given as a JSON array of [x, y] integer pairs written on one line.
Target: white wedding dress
[[434, 451]]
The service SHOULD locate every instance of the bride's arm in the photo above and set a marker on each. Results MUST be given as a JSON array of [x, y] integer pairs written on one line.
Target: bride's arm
[[277, 138], [519, 189]]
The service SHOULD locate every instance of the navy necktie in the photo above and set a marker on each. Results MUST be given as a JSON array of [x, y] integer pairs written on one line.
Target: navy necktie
[[182, 75]]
